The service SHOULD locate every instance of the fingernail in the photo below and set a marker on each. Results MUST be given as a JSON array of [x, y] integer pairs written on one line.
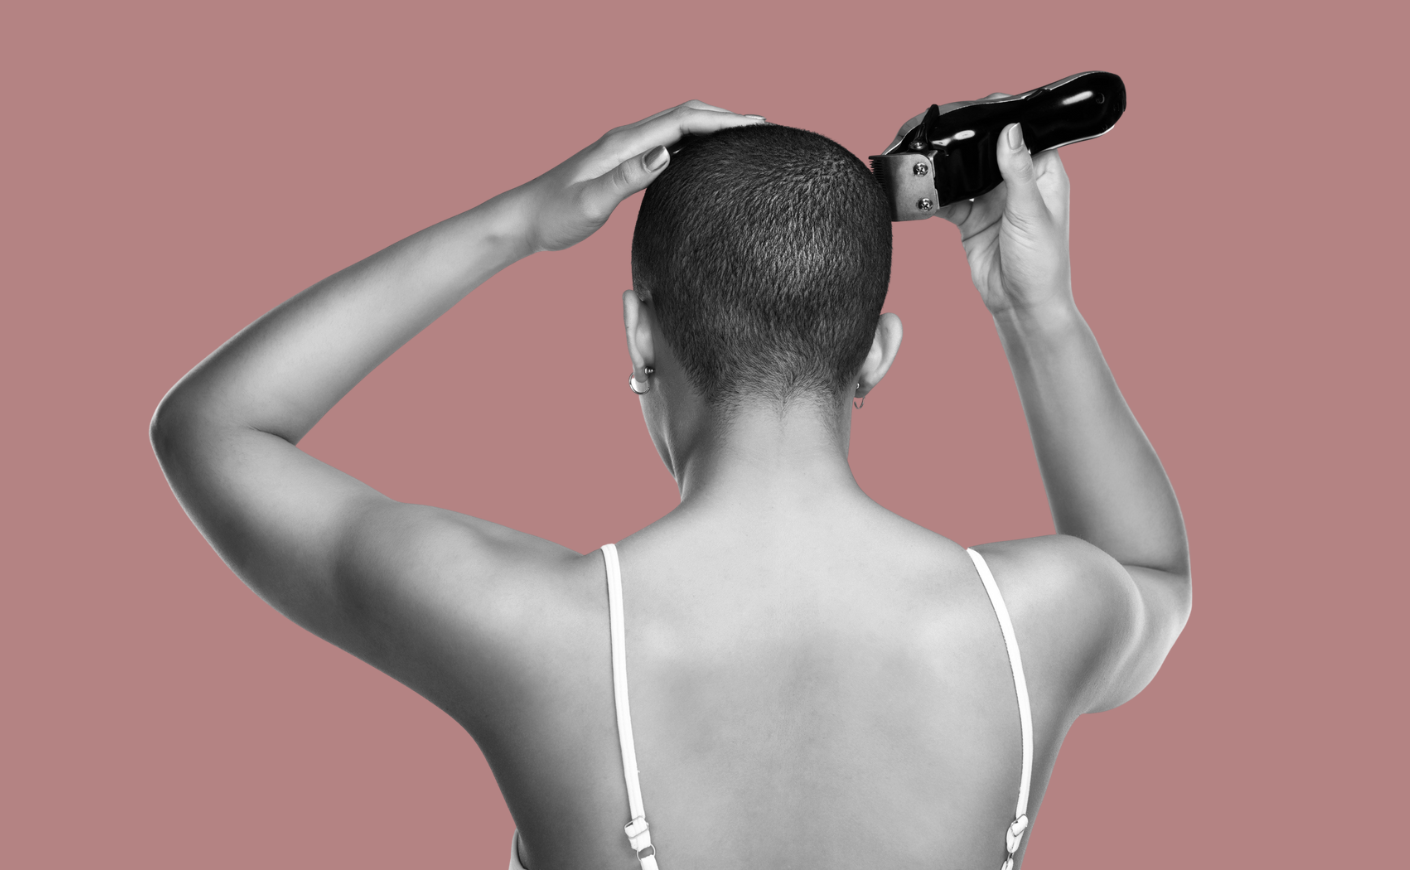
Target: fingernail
[[755, 117], [1016, 137], [656, 158]]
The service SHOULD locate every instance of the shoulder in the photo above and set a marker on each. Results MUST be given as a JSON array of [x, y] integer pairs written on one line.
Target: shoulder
[[1068, 570], [1072, 608], [444, 602]]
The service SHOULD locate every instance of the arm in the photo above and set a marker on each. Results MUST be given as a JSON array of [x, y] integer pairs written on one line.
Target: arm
[[1104, 481], [314, 542]]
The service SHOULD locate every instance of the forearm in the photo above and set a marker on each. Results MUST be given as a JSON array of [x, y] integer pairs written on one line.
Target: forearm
[[285, 371], [1104, 481]]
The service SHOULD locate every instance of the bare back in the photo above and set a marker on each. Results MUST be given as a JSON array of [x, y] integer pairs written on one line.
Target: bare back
[[830, 698]]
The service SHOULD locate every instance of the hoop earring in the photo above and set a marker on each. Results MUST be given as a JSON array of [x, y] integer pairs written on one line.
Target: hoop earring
[[645, 385], [859, 402]]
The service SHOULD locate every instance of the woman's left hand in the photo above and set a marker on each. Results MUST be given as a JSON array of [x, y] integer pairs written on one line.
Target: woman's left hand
[[310, 539], [571, 201]]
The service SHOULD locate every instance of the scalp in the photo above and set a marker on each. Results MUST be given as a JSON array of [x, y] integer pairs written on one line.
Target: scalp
[[767, 253]]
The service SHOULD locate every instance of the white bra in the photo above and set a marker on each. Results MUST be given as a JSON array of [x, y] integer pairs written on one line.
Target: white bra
[[639, 833]]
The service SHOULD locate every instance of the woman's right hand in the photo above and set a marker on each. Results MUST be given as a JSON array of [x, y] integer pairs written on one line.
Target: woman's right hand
[[1015, 236]]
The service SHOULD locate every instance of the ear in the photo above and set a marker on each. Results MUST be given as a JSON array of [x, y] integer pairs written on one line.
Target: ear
[[637, 317], [884, 346]]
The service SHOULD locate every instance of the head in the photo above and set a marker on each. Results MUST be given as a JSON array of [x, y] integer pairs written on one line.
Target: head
[[760, 265]]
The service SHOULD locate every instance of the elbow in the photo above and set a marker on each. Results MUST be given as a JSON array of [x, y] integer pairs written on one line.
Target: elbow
[[1187, 601], [1179, 601], [169, 428], [159, 429], [159, 432], [1180, 587], [1184, 585]]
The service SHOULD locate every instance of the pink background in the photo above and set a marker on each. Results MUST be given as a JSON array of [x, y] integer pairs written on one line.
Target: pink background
[[169, 174]]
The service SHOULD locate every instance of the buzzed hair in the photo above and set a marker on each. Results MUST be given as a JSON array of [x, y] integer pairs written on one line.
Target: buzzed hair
[[766, 251]]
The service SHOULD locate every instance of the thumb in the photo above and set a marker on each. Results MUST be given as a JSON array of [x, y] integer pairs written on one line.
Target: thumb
[[602, 194], [1024, 201]]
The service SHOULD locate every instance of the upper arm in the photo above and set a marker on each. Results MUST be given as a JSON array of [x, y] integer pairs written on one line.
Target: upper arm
[[1105, 628], [1151, 607], [404, 587]]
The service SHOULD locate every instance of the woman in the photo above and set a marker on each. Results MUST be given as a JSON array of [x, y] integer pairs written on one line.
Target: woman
[[814, 680]]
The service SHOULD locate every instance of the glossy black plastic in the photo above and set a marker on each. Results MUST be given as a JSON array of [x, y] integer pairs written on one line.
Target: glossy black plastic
[[962, 138]]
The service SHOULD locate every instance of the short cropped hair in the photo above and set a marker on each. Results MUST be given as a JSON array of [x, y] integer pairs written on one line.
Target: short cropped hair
[[766, 251]]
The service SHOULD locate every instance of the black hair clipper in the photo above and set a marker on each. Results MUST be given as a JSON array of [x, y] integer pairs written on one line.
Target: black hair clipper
[[951, 154]]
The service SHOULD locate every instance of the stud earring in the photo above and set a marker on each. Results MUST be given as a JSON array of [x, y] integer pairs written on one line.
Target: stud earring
[[643, 387]]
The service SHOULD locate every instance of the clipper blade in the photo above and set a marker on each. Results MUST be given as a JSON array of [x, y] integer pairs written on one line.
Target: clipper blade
[[909, 182]]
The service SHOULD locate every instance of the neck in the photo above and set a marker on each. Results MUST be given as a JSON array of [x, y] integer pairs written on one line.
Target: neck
[[768, 458]]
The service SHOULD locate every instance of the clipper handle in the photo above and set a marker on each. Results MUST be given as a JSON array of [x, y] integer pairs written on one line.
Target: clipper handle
[[952, 154]]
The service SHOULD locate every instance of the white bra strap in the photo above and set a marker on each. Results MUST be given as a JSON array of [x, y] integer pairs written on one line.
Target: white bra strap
[[638, 832], [1025, 713]]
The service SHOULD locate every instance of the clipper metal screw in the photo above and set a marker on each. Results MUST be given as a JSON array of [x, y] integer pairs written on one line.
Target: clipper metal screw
[[925, 204], [922, 169]]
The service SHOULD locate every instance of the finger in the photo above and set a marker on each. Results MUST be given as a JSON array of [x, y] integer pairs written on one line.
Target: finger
[[956, 213], [696, 104], [1049, 169], [1052, 181], [1024, 202], [976, 216], [985, 212], [668, 128], [602, 194], [1050, 164], [688, 104]]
